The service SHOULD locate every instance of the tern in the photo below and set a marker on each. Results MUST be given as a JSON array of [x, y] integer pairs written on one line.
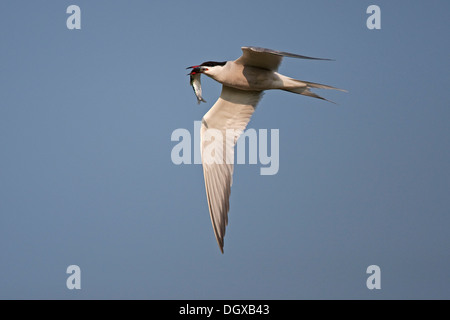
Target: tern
[[243, 82]]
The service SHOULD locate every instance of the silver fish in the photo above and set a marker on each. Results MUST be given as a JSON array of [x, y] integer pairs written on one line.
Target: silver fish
[[197, 86]]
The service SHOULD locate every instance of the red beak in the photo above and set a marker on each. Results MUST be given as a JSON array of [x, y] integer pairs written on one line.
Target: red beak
[[195, 70]]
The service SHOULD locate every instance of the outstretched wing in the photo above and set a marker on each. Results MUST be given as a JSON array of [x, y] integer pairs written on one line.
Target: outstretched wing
[[266, 58], [221, 127]]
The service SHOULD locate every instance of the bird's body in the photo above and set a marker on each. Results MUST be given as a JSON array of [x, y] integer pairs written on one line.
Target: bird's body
[[244, 81], [243, 77]]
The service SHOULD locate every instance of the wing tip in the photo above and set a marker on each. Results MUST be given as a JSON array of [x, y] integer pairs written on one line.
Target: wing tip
[[220, 243]]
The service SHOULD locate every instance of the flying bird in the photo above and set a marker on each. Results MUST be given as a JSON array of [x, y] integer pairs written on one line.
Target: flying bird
[[243, 82]]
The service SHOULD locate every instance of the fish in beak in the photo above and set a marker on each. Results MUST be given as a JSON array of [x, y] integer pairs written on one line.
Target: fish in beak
[[195, 82]]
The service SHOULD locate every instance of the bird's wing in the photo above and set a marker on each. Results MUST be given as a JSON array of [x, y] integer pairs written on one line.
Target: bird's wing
[[221, 127], [266, 58]]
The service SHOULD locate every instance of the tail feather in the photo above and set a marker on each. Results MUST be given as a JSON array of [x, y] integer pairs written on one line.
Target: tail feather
[[319, 85], [303, 87], [306, 92]]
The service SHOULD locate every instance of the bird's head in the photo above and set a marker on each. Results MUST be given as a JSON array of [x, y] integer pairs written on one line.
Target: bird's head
[[196, 69], [208, 68]]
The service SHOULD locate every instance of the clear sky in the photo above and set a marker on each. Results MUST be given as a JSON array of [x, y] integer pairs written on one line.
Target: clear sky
[[86, 176]]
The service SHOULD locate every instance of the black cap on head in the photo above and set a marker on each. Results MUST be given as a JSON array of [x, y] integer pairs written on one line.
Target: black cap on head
[[212, 63]]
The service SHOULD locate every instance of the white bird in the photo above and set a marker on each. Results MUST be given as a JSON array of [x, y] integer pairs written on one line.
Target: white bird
[[244, 81]]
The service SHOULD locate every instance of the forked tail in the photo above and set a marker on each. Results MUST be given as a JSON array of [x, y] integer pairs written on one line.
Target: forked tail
[[303, 87]]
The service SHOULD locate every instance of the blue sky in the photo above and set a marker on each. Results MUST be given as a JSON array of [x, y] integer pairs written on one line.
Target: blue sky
[[86, 176]]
